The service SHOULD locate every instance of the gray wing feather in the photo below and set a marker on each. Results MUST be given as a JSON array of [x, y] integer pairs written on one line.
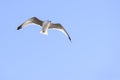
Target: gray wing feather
[[29, 21], [58, 26]]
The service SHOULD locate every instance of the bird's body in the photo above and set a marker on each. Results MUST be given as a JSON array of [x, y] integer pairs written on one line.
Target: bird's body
[[45, 26]]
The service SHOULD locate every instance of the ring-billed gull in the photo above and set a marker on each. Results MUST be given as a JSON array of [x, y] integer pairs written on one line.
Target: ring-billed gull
[[45, 26]]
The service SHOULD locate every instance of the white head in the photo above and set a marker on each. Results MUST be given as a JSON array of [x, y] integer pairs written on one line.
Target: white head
[[44, 32]]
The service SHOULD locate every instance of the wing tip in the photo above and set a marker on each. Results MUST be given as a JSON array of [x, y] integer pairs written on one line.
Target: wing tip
[[19, 27], [70, 39]]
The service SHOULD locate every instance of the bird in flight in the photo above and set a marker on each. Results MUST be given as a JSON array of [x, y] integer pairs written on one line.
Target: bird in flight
[[45, 26]]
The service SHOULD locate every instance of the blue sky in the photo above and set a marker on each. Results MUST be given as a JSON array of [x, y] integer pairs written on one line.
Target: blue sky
[[94, 54]]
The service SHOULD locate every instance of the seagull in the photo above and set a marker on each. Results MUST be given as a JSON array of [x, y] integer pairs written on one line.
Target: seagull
[[45, 26]]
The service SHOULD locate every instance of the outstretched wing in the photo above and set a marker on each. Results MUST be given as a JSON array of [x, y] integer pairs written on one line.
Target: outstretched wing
[[59, 27], [29, 21]]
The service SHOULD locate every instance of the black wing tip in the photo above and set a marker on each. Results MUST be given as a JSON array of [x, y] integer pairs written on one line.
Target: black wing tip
[[70, 39], [19, 27]]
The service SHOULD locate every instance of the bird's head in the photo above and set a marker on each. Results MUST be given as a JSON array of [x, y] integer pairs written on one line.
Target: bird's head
[[44, 32]]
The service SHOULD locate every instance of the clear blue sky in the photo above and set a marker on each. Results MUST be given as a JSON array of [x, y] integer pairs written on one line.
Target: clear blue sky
[[94, 54]]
